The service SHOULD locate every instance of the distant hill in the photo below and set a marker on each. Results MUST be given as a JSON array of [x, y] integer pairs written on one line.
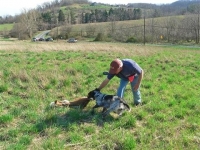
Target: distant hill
[[71, 12], [184, 3], [153, 10]]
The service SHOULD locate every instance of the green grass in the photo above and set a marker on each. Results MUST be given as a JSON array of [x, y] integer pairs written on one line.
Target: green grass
[[6, 27], [168, 119], [99, 7]]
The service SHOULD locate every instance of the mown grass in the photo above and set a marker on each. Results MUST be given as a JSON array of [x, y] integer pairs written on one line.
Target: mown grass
[[7, 27], [34, 74]]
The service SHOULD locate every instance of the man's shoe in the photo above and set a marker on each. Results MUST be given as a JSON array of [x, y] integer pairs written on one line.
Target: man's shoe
[[138, 104]]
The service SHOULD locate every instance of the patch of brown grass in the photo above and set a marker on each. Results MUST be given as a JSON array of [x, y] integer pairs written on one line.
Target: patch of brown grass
[[109, 48]]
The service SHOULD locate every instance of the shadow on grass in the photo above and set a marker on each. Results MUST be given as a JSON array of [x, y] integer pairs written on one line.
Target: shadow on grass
[[72, 116]]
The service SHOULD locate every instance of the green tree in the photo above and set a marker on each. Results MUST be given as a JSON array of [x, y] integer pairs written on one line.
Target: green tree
[[92, 16], [87, 18], [105, 16], [111, 12], [82, 17], [61, 16], [137, 13], [46, 17], [72, 16], [98, 15]]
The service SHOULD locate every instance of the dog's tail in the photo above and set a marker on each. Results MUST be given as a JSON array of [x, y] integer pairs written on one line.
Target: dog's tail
[[127, 107]]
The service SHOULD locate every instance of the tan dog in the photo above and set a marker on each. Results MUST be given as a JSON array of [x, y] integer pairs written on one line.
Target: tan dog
[[79, 102]]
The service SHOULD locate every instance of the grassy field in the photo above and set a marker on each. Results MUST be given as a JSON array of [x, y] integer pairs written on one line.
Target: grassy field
[[34, 74], [7, 27]]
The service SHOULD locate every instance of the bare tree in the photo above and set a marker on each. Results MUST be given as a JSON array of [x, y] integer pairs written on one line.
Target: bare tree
[[151, 30], [192, 22], [65, 31], [171, 25], [90, 30], [113, 23], [27, 23], [17, 31]]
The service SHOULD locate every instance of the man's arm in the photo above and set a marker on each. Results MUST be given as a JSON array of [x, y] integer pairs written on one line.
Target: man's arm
[[103, 84], [137, 85]]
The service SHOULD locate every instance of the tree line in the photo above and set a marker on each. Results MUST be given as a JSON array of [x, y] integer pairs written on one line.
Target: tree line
[[172, 29], [51, 15], [119, 14], [179, 7], [98, 15], [31, 21]]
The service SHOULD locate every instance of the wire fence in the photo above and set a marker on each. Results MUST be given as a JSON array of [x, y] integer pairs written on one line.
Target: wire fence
[[169, 30], [143, 33]]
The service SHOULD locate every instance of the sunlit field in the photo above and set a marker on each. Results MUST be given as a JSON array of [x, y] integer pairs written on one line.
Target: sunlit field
[[33, 74]]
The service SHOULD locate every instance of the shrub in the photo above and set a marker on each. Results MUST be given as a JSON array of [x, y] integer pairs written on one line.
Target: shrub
[[99, 37], [131, 40]]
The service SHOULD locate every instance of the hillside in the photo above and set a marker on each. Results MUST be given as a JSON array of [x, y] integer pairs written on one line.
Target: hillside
[[67, 15], [176, 8]]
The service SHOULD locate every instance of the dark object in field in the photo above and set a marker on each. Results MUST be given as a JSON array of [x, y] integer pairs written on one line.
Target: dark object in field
[[49, 39], [72, 40]]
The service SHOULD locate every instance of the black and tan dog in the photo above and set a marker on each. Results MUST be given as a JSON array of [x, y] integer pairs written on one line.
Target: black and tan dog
[[108, 102]]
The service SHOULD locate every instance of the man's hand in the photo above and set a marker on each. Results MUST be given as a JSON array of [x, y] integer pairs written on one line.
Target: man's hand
[[135, 88], [97, 89]]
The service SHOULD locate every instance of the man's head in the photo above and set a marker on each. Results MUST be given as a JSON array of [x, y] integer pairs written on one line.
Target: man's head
[[115, 66]]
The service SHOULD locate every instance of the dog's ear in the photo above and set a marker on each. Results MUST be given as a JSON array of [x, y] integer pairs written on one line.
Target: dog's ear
[[91, 94], [97, 90]]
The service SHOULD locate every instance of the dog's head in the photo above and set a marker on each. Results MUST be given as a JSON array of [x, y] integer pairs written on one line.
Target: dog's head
[[59, 103], [91, 94]]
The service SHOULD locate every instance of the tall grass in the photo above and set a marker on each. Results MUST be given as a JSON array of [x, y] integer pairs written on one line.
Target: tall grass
[[34, 74]]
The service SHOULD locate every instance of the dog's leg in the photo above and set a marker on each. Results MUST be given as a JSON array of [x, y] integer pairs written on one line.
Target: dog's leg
[[107, 112], [125, 104], [96, 106], [104, 109], [111, 108], [127, 107]]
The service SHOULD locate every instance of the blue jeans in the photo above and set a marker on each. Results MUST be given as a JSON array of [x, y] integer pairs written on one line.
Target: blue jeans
[[136, 94]]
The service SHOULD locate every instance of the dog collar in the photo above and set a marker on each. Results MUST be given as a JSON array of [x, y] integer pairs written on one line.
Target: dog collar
[[99, 96]]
